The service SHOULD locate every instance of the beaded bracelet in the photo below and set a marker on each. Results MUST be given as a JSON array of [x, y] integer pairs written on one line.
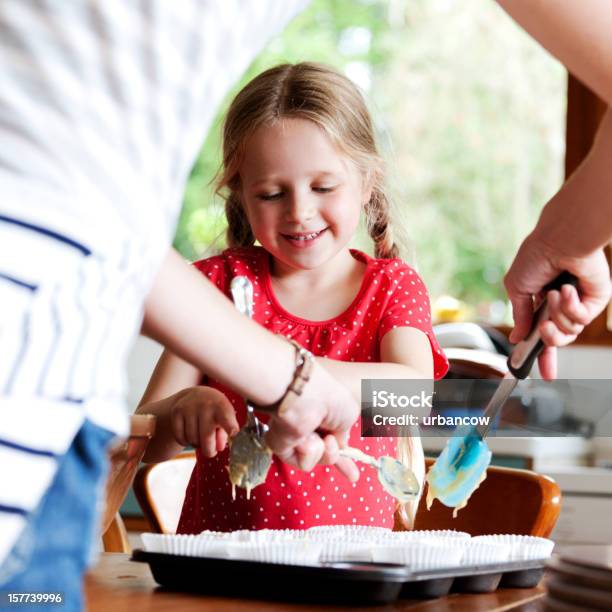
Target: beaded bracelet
[[304, 362]]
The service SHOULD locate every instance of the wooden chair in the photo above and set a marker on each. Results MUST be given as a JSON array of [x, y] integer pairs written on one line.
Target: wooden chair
[[508, 501], [160, 490], [124, 461], [477, 364]]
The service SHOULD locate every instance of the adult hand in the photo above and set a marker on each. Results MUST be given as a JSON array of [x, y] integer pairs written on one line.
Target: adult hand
[[315, 425], [536, 264]]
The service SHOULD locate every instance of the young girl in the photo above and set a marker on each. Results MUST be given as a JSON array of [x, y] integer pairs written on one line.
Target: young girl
[[300, 167]]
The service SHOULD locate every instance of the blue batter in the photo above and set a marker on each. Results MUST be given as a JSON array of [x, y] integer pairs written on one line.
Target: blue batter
[[459, 469]]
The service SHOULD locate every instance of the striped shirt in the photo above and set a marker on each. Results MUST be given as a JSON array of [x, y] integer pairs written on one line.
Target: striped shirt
[[104, 105]]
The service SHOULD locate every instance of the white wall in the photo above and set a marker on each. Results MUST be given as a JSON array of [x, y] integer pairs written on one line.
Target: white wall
[[585, 362], [141, 363]]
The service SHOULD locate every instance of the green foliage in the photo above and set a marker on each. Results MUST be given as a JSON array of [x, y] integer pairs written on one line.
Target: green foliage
[[470, 114]]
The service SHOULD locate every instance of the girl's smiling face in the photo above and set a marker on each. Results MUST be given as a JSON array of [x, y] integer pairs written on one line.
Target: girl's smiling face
[[302, 197]]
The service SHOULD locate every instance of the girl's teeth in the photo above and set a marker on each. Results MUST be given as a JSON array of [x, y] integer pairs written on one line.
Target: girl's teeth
[[306, 237]]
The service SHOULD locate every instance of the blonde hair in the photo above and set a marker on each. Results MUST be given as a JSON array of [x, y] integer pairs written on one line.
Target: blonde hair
[[316, 93]]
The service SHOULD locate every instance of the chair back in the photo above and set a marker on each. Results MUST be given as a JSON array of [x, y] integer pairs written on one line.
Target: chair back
[[507, 501], [473, 363], [160, 490], [124, 461]]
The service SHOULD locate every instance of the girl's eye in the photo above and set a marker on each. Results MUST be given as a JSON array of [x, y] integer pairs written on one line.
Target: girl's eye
[[323, 189], [270, 196]]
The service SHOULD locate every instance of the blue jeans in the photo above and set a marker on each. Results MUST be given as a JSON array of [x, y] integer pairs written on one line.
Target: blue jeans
[[54, 550]]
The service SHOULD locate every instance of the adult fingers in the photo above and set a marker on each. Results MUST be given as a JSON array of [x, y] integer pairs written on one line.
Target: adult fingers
[[347, 468], [572, 307], [551, 335], [558, 314], [547, 363], [522, 314], [531, 270], [324, 405], [594, 281], [290, 428], [309, 452], [332, 455]]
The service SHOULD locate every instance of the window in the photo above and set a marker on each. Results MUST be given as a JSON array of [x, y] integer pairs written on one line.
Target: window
[[470, 113]]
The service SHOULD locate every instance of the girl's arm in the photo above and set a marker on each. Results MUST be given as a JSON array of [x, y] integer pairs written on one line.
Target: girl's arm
[[171, 379], [405, 352]]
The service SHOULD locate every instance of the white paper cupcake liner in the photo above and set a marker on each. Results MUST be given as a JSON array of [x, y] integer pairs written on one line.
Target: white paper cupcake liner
[[255, 535], [420, 550], [346, 551], [445, 535], [522, 547], [484, 552], [185, 545], [291, 552], [353, 533], [419, 555], [215, 535], [276, 535]]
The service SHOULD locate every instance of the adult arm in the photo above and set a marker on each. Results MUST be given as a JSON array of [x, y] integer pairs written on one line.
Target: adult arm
[[570, 235], [188, 315], [576, 32]]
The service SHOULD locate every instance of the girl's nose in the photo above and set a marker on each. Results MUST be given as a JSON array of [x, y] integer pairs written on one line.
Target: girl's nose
[[300, 208]]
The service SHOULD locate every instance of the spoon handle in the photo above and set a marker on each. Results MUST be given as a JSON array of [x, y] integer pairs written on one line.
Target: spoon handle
[[358, 455], [242, 295]]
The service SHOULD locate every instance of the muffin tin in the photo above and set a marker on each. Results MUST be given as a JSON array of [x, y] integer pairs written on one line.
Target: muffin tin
[[357, 583]]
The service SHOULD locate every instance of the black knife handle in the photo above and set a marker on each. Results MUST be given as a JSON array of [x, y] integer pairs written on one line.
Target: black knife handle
[[526, 351]]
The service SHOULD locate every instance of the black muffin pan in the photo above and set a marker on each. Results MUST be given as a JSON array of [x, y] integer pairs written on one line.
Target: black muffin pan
[[429, 584], [349, 583]]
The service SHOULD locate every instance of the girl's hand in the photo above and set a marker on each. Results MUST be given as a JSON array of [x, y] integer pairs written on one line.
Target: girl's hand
[[203, 417]]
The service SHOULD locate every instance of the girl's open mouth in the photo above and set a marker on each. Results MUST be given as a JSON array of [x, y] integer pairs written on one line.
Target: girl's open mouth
[[303, 240]]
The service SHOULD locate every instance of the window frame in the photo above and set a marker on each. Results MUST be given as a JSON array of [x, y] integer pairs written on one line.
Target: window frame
[[584, 113]]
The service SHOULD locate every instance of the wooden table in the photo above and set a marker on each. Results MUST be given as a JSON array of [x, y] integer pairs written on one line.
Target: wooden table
[[119, 585]]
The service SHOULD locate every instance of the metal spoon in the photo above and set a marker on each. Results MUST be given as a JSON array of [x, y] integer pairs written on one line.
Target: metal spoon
[[397, 479], [242, 294], [250, 457]]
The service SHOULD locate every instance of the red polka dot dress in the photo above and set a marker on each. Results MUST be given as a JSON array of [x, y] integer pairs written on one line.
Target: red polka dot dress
[[391, 295]]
